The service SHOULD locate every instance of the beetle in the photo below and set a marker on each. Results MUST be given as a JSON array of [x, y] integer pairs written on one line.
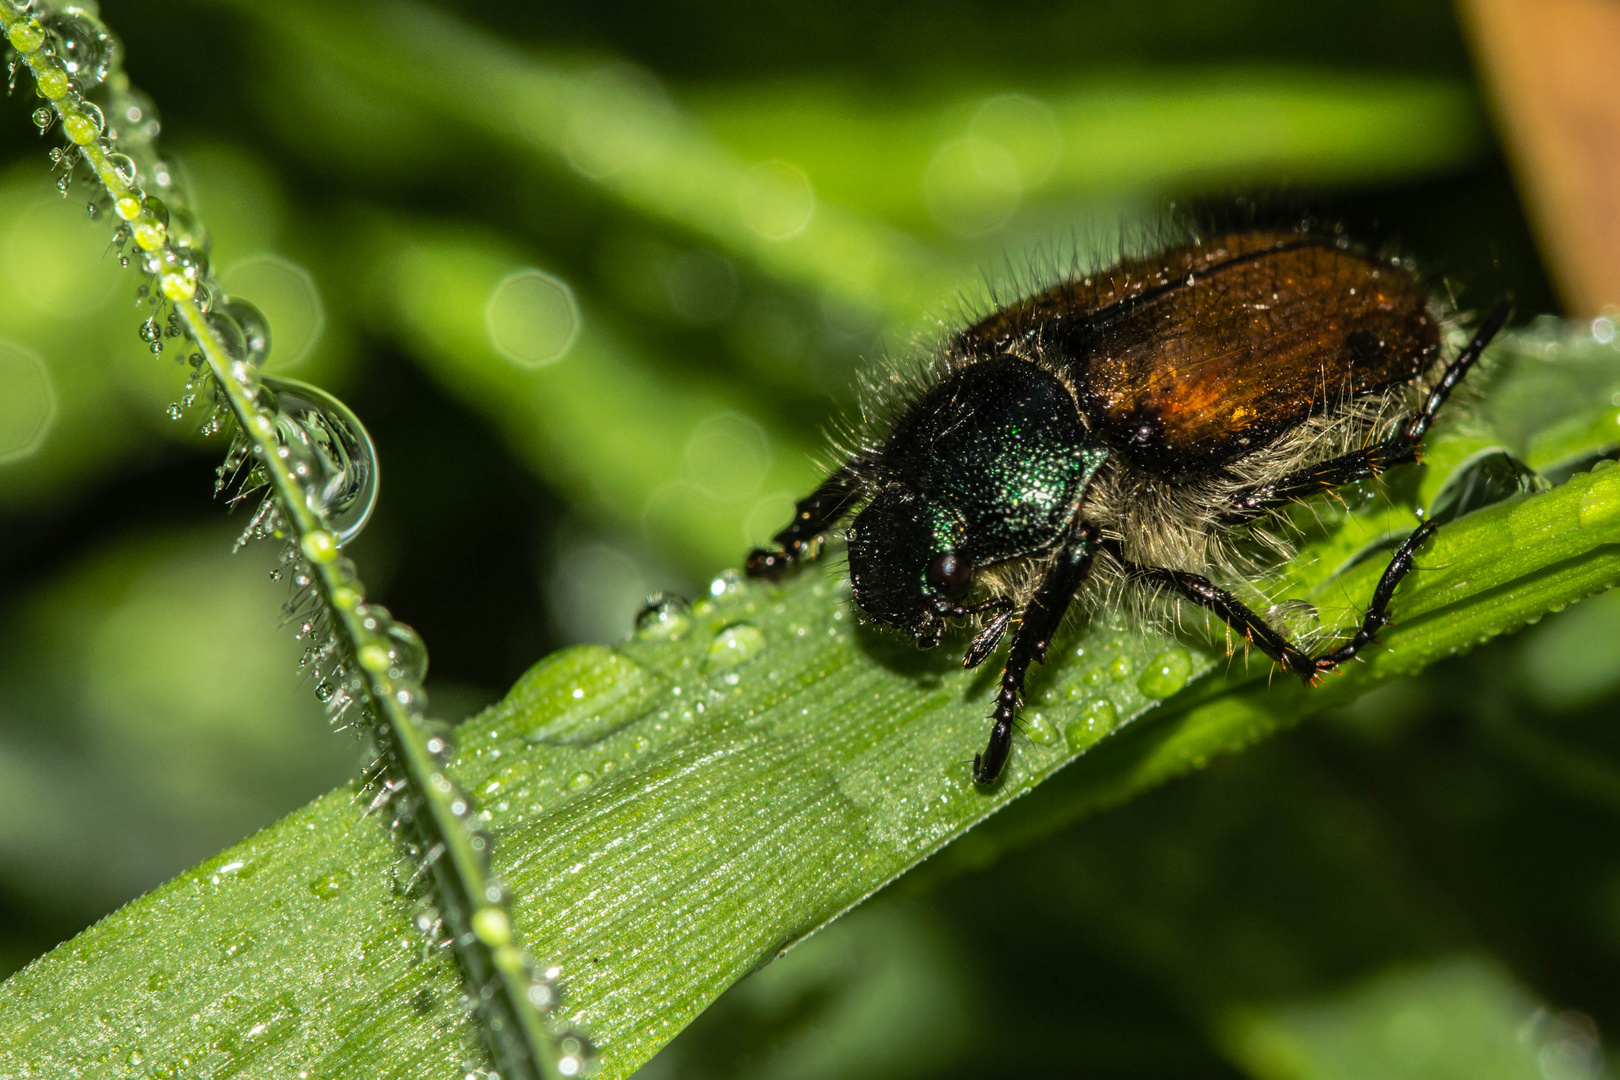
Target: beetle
[[1126, 427]]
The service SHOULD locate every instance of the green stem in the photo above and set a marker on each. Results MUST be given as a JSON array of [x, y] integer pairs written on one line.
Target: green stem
[[365, 656]]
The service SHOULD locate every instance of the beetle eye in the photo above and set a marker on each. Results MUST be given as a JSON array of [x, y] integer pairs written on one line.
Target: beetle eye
[[950, 574]]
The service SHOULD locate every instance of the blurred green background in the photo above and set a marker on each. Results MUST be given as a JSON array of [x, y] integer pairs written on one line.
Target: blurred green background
[[597, 278]]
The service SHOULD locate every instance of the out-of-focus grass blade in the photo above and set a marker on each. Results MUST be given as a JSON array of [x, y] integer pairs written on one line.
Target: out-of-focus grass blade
[[682, 455], [1455, 1017], [807, 182], [912, 162], [612, 127]]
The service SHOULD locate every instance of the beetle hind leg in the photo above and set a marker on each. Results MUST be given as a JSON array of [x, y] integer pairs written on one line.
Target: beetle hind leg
[[1261, 634]]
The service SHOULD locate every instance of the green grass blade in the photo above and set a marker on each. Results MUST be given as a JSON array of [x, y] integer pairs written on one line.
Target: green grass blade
[[673, 812]]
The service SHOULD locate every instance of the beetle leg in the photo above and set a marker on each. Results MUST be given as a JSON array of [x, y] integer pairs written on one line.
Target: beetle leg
[[1036, 626], [985, 642], [1201, 591], [1414, 431], [1398, 449], [812, 517], [1377, 616]]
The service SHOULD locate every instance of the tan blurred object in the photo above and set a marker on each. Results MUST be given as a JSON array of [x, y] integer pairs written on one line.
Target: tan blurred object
[[1553, 68]]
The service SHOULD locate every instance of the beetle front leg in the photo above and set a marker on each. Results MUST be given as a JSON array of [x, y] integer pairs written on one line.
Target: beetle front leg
[[812, 517], [1039, 622]]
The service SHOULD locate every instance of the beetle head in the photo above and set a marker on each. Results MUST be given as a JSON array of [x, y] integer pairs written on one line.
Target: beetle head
[[906, 568]]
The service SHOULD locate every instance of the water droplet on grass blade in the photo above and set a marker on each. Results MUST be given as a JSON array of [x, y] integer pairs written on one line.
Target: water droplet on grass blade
[[87, 49], [664, 618], [734, 645], [1040, 730], [1095, 720], [322, 427], [124, 166], [328, 886], [1166, 674], [83, 124], [407, 653], [255, 329]]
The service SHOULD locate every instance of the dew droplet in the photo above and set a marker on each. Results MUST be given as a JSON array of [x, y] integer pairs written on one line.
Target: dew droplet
[[1096, 719], [124, 166], [329, 886], [407, 653], [151, 225], [440, 741], [322, 426], [255, 329], [87, 49], [580, 781], [735, 644], [83, 124], [492, 926], [1166, 674], [27, 36], [1040, 730], [664, 618], [43, 117], [1120, 668], [727, 583]]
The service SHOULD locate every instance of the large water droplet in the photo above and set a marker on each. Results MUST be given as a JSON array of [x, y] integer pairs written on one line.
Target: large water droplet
[[346, 491], [1485, 478], [734, 645], [87, 49], [1165, 674], [84, 124], [664, 618], [407, 653], [229, 334], [255, 329], [124, 166], [287, 295]]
